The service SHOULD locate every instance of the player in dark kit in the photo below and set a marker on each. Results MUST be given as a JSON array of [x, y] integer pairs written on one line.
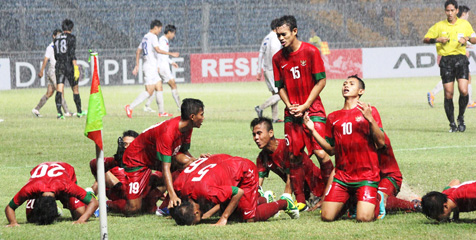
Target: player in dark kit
[[300, 76], [457, 197], [353, 135], [49, 182], [66, 67], [231, 182]]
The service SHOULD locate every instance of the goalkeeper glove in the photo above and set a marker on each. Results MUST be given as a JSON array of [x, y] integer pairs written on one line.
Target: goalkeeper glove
[[76, 73]]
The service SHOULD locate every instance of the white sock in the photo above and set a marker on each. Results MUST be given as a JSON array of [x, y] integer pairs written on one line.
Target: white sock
[[470, 94], [149, 100], [438, 88], [142, 97], [159, 98], [176, 97]]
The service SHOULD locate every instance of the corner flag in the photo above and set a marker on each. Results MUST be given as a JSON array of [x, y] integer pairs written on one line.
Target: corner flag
[[96, 109]]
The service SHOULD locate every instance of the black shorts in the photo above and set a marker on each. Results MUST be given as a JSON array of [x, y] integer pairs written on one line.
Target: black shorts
[[62, 76], [454, 67]]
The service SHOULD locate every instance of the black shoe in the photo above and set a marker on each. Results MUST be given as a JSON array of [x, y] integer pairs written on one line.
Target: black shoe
[[259, 112], [453, 127], [461, 126], [417, 205], [278, 121]]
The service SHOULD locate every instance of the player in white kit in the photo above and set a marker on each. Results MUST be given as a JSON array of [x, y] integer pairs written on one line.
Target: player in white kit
[[51, 77], [164, 70], [269, 46], [149, 47]]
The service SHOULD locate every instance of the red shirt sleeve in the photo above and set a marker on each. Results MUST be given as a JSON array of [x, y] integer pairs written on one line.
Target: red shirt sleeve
[[376, 117], [329, 134], [318, 68], [164, 142]]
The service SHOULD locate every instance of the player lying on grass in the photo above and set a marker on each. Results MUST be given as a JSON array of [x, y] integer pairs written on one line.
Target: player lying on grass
[[227, 182], [275, 157], [457, 197], [353, 135], [51, 181]]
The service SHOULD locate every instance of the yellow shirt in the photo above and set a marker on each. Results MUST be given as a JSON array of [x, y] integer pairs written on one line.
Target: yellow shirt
[[461, 28]]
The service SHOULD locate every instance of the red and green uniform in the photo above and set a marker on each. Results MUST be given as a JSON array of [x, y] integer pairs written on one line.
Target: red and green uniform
[[390, 175], [464, 195]]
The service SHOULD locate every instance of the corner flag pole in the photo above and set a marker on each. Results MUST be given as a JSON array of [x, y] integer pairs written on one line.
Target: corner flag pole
[[94, 125]]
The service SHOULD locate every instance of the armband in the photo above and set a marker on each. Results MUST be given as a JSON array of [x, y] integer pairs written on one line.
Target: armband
[[432, 40]]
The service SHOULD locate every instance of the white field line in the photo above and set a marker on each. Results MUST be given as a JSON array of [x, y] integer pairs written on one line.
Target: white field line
[[430, 148]]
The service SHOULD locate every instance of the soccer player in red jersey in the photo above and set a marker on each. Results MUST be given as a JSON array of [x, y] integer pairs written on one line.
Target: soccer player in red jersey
[[154, 148], [300, 76], [51, 181], [353, 135], [275, 157], [457, 197], [225, 180]]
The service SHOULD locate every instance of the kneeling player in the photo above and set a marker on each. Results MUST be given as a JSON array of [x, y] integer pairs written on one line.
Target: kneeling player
[[457, 197], [275, 157], [231, 182], [49, 182], [353, 134]]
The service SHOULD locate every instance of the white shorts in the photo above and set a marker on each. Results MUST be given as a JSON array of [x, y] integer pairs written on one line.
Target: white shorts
[[269, 77], [151, 74], [51, 77], [165, 73]]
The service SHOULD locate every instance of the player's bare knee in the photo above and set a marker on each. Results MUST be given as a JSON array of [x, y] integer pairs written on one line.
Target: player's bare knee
[[365, 217], [321, 155]]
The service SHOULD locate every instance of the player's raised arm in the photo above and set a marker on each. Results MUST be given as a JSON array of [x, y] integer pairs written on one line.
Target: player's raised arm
[[320, 140], [230, 208]]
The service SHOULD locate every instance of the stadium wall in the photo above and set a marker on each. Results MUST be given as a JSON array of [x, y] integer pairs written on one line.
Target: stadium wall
[[19, 70]]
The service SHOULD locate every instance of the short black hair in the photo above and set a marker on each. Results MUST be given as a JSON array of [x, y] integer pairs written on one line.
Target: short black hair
[[267, 121], [361, 82], [155, 23], [274, 23], [67, 25], [45, 210], [56, 31], [451, 2], [462, 9], [289, 20], [169, 28], [190, 106], [183, 214], [130, 133], [432, 204]]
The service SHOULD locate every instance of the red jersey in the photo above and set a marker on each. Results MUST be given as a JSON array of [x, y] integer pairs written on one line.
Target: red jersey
[[355, 152], [298, 74], [388, 164], [157, 144], [276, 161], [464, 195], [56, 177]]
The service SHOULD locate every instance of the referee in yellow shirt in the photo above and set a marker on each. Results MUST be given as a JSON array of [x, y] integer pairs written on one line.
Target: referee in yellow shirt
[[451, 36]]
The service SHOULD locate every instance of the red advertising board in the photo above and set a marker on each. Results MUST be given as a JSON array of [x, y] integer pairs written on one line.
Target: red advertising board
[[342, 63]]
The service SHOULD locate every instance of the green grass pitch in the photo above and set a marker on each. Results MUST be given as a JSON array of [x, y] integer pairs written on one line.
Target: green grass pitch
[[428, 155]]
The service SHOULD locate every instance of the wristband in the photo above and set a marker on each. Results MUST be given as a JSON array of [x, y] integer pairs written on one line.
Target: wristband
[[432, 40]]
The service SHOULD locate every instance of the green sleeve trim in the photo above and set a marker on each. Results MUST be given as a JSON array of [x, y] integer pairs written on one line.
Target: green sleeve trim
[[88, 198], [132, 169], [185, 147], [13, 205], [318, 119], [319, 76], [382, 130], [264, 174], [234, 190], [357, 184], [164, 158], [286, 170], [446, 188], [392, 180], [278, 84], [331, 141]]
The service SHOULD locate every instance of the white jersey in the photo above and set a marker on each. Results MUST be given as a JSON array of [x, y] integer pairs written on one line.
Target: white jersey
[[50, 54], [164, 46], [269, 47], [149, 42]]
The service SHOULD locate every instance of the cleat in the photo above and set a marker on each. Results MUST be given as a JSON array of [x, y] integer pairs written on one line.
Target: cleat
[[96, 212], [313, 200], [36, 113], [68, 114], [417, 205], [148, 109], [260, 191], [352, 213], [60, 211], [382, 212], [431, 99], [164, 212], [453, 127], [60, 116], [128, 110], [164, 114], [461, 126], [90, 190], [301, 206], [278, 121], [472, 105], [82, 114], [291, 209], [270, 197], [259, 111]]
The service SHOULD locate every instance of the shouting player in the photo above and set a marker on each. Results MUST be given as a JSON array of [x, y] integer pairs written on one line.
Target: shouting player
[[149, 47], [353, 135], [300, 76], [457, 197], [49, 182], [275, 157], [228, 181], [66, 67], [51, 77]]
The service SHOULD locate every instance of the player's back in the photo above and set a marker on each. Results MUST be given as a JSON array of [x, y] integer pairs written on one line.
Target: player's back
[[464, 195], [148, 44], [164, 46], [65, 51], [50, 54]]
